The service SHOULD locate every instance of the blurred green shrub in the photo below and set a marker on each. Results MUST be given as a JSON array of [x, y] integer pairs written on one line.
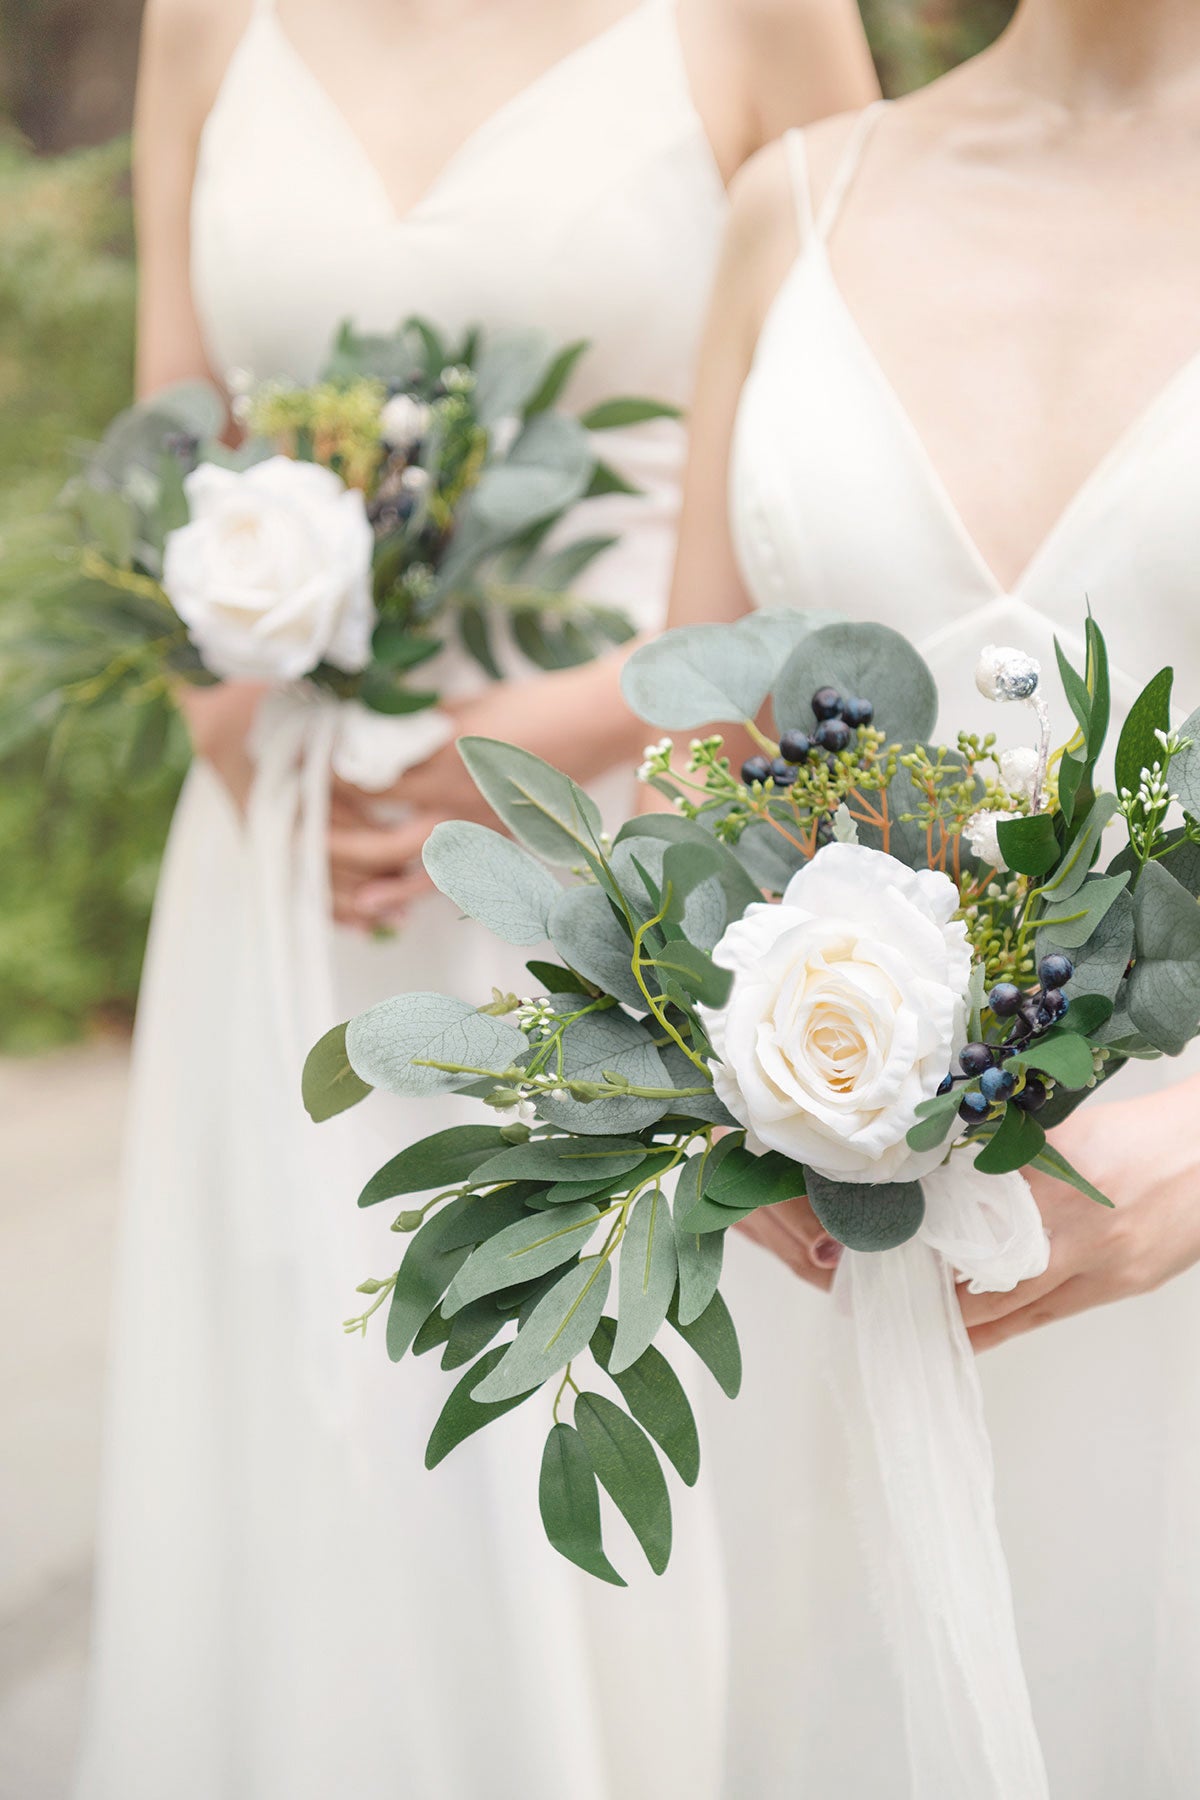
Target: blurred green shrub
[[78, 854], [915, 40]]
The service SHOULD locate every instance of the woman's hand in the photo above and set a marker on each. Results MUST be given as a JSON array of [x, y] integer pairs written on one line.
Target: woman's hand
[[573, 718], [219, 720], [1145, 1155], [794, 1234]]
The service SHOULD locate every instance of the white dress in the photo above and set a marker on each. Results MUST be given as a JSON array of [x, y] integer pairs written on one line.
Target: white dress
[[289, 1606], [1095, 1422]]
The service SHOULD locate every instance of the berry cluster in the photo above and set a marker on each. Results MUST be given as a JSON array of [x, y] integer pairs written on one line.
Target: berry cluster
[[1032, 1012], [836, 719]]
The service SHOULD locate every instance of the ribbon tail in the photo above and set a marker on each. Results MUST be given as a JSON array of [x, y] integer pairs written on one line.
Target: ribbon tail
[[906, 1377]]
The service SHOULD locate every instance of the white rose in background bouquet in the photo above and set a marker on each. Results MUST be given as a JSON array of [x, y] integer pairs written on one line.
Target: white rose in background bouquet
[[400, 504], [272, 573]]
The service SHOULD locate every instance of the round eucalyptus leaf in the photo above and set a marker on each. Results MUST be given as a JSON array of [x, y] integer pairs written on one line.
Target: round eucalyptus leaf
[[491, 879], [866, 1217], [863, 661]]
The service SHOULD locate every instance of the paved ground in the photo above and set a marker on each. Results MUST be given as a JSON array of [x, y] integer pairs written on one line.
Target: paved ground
[[60, 1122]]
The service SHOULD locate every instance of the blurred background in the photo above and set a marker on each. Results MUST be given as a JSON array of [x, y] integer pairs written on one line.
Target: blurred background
[[79, 849]]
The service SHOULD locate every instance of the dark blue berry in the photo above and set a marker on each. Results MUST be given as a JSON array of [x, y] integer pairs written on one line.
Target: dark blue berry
[[832, 734], [975, 1058], [997, 1084], [755, 768], [826, 703], [1030, 1016], [795, 745], [783, 773], [857, 712], [1033, 1096], [973, 1107], [1054, 1004], [1055, 971], [1005, 999], [946, 1083]]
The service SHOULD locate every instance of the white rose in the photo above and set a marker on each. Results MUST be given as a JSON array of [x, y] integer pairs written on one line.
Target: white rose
[[272, 573], [848, 1003], [983, 835]]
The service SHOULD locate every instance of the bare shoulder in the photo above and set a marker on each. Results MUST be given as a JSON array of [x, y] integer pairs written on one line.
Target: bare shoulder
[[762, 240], [186, 47]]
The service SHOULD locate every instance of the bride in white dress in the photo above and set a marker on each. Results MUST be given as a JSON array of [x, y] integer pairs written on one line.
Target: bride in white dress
[[1005, 427], [289, 1607]]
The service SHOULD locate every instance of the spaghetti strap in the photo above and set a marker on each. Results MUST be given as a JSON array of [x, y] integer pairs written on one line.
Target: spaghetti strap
[[797, 161], [847, 169]]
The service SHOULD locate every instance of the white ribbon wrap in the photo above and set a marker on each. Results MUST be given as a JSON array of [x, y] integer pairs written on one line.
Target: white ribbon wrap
[[906, 1377]]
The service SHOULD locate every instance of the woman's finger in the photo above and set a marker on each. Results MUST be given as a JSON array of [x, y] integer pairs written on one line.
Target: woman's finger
[[1074, 1296], [378, 849], [984, 1309], [384, 899], [793, 1232]]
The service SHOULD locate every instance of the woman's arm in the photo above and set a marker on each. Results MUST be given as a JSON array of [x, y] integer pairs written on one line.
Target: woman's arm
[[185, 47], [755, 67]]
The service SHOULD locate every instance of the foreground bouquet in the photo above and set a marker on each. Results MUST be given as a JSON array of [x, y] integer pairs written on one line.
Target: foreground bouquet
[[402, 501], [958, 956]]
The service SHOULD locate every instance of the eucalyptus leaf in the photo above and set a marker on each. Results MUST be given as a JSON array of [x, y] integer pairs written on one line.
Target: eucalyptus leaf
[[531, 1247], [1052, 1162], [392, 1045], [1029, 845], [491, 879], [593, 1045], [428, 1268], [1072, 922], [565, 1159], [714, 1341], [472, 1329], [1185, 768], [440, 1161], [743, 1180], [330, 1085], [699, 1255], [934, 1119], [649, 837], [462, 1415], [1164, 985], [710, 674], [627, 1466], [1101, 962], [570, 1504], [556, 1330], [588, 935], [542, 807], [654, 1395], [860, 659], [867, 1216], [646, 1277], [555, 378], [1073, 869], [510, 370]]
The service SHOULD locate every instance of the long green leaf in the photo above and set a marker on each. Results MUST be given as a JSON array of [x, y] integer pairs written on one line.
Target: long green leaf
[[330, 1086], [654, 1395], [462, 1416], [627, 1466], [647, 1276], [440, 1161], [521, 1252], [713, 1338], [557, 1329], [570, 1504]]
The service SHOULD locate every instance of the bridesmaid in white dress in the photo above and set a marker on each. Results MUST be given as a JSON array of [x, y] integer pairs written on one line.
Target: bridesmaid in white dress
[[290, 1608], [1004, 427]]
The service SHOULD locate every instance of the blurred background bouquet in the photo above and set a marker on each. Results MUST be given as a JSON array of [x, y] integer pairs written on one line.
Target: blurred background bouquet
[[77, 876]]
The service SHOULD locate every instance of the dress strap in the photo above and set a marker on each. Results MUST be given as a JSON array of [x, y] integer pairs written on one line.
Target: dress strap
[[848, 167], [797, 161]]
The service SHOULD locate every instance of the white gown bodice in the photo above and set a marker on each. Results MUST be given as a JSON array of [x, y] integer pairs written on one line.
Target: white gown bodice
[[589, 206], [835, 503]]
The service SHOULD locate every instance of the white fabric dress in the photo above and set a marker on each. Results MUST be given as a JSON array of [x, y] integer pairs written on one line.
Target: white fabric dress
[[290, 1607], [1095, 1422]]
